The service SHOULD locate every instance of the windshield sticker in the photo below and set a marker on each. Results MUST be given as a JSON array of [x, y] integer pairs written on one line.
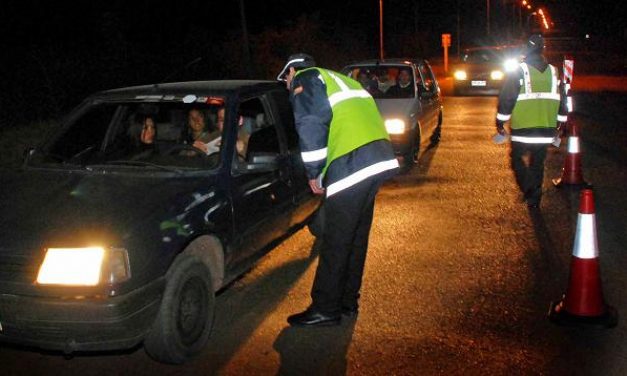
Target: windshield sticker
[[190, 98]]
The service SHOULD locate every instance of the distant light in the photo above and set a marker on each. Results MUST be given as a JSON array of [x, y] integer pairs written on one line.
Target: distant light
[[524, 2], [587, 36], [528, 6]]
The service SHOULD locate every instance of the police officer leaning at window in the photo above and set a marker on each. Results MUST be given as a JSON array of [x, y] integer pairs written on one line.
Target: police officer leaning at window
[[347, 155], [533, 100]]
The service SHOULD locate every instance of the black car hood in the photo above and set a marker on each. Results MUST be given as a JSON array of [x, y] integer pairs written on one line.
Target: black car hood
[[77, 208]]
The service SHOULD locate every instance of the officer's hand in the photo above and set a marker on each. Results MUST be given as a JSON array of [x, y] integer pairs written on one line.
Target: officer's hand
[[500, 128], [313, 184]]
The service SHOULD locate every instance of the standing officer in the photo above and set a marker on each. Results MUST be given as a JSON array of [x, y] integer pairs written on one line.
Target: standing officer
[[347, 154], [533, 99]]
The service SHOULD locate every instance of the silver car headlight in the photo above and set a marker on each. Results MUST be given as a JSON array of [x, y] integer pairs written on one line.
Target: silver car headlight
[[86, 266], [395, 126]]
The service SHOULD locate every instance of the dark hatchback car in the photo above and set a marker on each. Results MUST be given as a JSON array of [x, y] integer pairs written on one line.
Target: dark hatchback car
[[482, 70], [113, 234], [413, 115]]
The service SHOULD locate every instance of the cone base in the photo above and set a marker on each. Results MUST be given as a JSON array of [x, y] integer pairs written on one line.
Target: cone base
[[559, 183], [558, 315]]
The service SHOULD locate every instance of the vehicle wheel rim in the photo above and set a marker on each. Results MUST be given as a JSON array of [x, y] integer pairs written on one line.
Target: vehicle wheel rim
[[192, 312]]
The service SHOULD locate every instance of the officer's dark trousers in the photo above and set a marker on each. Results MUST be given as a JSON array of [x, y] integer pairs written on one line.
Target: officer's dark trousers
[[529, 176], [348, 217]]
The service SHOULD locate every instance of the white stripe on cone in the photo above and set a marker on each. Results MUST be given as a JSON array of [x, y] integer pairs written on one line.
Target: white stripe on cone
[[586, 245], [573, 144]]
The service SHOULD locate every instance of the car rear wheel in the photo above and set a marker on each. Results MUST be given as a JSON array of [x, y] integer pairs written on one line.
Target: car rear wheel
[[183, 324]]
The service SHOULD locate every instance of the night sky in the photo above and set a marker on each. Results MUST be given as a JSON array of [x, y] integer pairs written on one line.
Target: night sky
[[56, 52]]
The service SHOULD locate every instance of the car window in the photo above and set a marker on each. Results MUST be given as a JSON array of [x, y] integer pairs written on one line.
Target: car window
[[85, 133], [286, 117], [386, 81], [167, 134], [257, 133], [427, 77]]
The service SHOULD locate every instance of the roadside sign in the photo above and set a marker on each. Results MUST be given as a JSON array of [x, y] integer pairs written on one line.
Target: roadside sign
[[446, 40]]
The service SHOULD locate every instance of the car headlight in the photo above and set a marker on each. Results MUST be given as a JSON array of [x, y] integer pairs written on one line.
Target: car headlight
[[460, 75], [510, 65], [88, 266], [497, 75], [395, 126]]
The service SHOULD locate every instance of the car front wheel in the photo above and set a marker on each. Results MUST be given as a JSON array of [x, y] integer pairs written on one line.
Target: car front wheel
[[183, 324]]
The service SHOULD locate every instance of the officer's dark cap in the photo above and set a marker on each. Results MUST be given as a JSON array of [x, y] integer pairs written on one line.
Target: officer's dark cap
[[299, 60], [535, 44]]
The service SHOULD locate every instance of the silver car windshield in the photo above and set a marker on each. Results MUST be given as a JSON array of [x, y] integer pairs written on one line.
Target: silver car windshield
[[386, 81]]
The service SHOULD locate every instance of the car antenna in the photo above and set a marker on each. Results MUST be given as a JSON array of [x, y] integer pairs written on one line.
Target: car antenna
[[179, 70]]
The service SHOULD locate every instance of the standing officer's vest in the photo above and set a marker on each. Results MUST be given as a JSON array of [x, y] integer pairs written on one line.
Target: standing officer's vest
[[356, 120], [539, 99]]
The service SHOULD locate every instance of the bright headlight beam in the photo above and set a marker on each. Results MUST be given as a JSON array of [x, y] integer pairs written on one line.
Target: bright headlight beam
[[395, 126], [510, 65], [71, 266], [460, 75], [496, 75]]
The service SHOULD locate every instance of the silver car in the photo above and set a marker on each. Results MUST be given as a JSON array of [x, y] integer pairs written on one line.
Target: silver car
[[409, 100]]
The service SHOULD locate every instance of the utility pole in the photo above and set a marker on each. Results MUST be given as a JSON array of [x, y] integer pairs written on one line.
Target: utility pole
[[246, 46], [459, 37], [487, 17], [381, 29]]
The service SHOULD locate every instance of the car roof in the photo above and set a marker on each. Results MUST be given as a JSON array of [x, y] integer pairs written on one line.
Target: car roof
[[493, 48], [392, 61], [217, 87]]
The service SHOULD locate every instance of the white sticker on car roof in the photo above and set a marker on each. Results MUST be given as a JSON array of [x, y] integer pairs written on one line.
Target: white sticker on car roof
[[190, 98]]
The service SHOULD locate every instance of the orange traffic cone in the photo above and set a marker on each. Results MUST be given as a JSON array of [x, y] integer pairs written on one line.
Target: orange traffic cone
[[583, 302], [571, 173]]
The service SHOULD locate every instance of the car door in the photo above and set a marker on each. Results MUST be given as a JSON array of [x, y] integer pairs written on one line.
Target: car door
[[305, 202], [262, 197], [429, 97]]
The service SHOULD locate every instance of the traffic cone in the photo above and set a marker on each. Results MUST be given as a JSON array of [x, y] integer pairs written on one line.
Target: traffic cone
[[583, 302], [571, 173]]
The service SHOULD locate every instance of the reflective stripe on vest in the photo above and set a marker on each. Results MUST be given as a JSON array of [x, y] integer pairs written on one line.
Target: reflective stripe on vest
[[361, 175], [532, 140], [345, 92], [355, 120], [537, 104], [529, 94]]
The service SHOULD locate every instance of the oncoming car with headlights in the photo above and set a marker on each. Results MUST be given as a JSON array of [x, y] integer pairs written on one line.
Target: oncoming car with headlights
[[119, 230], [482, 70], [408, 97]]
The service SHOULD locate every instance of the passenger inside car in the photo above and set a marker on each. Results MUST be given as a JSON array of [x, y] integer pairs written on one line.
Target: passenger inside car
[[404, 87], [143, 136]]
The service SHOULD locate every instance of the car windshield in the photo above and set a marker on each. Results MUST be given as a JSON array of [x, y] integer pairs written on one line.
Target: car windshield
[[157, 135], [386, 81], [490, 55]]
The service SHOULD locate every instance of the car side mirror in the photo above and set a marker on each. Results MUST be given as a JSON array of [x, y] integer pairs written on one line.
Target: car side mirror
[[261, 162]]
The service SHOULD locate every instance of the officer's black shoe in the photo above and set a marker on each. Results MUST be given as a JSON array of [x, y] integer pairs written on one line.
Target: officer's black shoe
[[312, 317], [350, 312]]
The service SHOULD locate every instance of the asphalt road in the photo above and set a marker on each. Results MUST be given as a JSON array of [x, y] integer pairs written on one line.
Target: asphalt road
[[458, 280]]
